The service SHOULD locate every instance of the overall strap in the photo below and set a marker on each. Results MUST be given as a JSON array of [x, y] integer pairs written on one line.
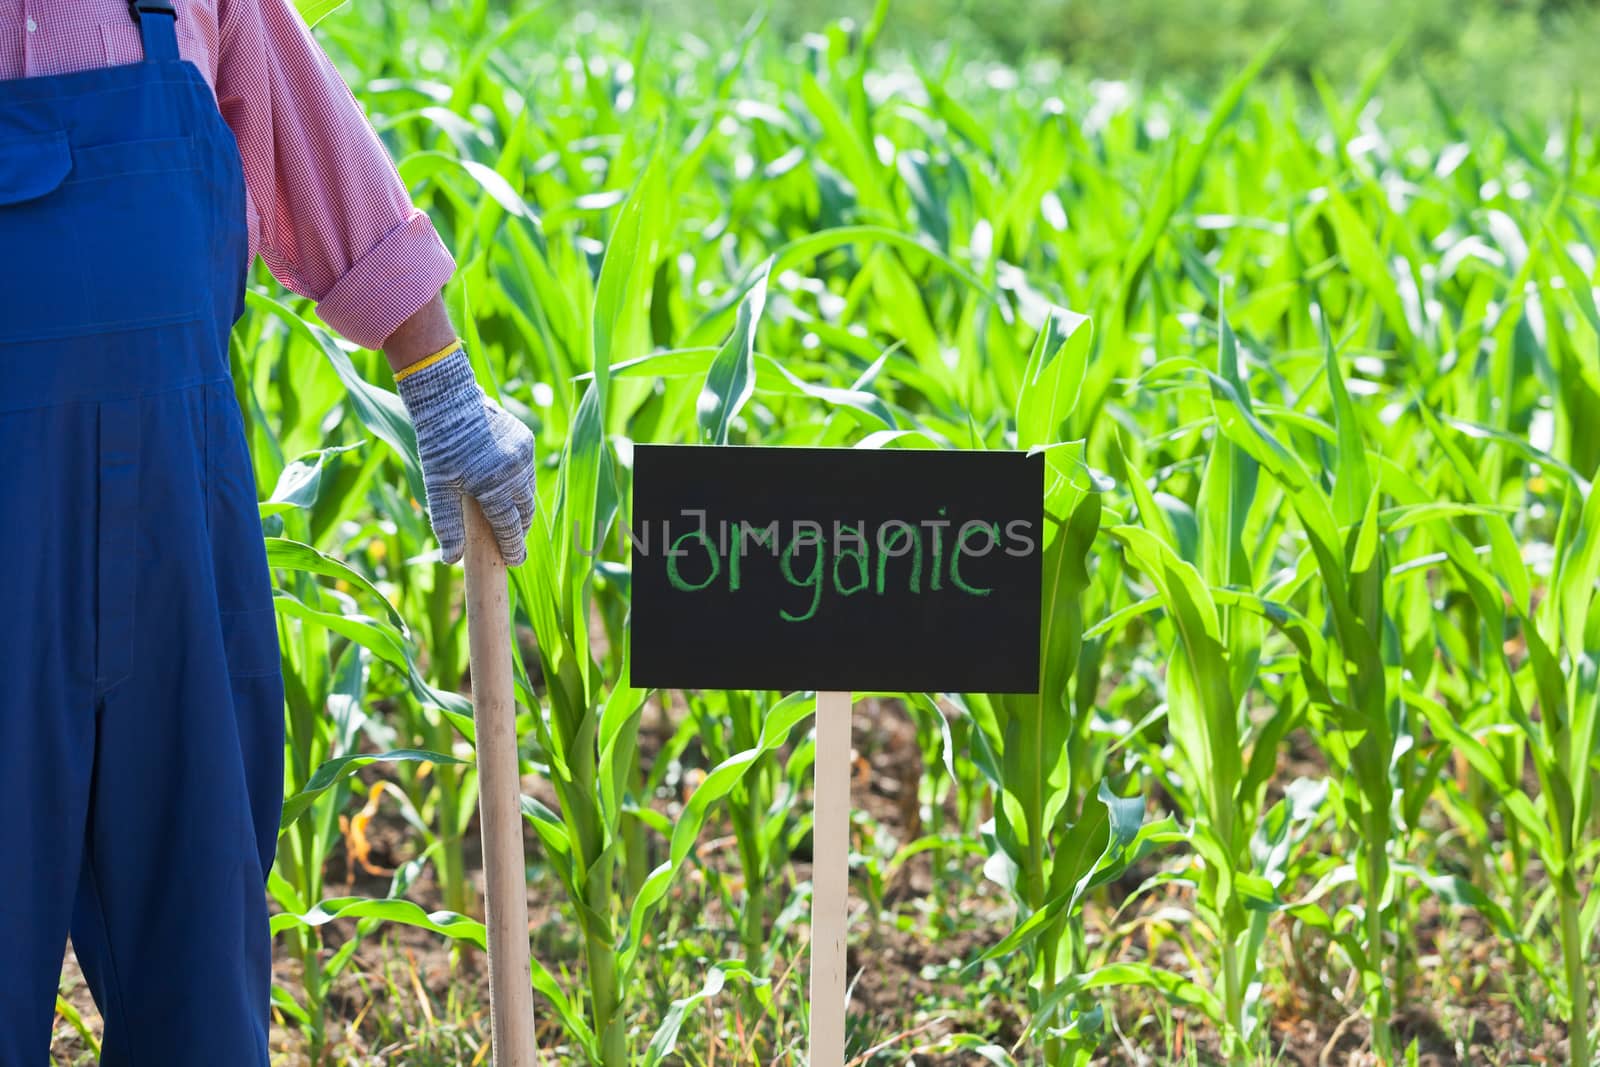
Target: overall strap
[[157, 21]]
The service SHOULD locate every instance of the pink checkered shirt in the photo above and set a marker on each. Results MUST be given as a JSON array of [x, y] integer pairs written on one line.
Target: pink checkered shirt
[[326, 209]]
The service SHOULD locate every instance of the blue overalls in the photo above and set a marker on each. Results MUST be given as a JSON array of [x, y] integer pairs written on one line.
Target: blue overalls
[[141, 704]]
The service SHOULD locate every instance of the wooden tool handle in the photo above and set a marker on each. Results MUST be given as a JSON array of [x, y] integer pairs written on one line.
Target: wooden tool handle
[[494, 713]]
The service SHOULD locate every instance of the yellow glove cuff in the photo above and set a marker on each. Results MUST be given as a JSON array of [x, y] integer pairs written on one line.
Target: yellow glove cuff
[[426, 361]]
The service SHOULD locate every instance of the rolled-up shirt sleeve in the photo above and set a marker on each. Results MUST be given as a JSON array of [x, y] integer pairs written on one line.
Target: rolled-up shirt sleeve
[[328, 211]]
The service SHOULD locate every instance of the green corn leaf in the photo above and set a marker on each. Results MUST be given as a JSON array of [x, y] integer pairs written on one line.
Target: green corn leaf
[[1488, 765], [1227, 491], [1052, 378], [404, 912], [285, 554], [1151, 515], [665, 1038], [548, 825], [731, 378], [385, 642], [1507, 554], [1175, 987], [65, 1009], [314, 11], [1201, 703], [780, 722], [618, 744], [876, 413], [378, 410], [338, 770], [1352, 477], [301, 481]]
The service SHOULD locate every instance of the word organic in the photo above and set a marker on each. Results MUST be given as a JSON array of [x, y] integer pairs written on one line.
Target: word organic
[[855, 559]]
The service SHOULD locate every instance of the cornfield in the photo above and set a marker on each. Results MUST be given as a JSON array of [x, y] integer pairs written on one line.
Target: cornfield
[[1319, 392]]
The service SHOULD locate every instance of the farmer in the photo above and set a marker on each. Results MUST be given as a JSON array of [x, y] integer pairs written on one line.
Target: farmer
[[141, 718]]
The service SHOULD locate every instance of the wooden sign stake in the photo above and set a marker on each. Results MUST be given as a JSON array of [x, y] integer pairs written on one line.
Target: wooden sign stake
[[830, 878], [494, 713]]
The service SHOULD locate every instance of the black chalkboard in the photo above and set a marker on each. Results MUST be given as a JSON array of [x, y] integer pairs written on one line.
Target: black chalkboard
[[836, 568]]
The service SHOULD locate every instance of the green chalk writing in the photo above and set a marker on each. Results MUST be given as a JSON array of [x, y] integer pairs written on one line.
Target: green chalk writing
[[676, 552], [812, 581], [859, 556], [766, 536], [887, 551], [887, 559], [992, 532]]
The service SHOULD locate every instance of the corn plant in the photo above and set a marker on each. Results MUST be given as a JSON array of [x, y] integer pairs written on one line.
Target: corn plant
[[1349, 516]]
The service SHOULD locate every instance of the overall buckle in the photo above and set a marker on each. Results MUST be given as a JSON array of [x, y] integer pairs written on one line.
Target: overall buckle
[[140, 8]]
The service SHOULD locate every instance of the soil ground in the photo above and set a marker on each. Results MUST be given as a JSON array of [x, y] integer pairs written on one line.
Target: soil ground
[[907, 993]]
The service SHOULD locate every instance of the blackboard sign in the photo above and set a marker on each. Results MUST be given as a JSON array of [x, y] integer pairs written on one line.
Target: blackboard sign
[[836, 569]]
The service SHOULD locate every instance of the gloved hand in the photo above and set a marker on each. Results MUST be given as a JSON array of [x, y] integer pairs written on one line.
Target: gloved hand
[[469, 444]]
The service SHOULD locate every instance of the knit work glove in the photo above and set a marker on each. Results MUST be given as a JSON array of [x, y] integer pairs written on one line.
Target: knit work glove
[[469, 444]]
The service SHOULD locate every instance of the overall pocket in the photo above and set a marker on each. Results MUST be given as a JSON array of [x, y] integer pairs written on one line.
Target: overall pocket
[[143, 227], [239, 558], [100, 238], [42, 285]]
